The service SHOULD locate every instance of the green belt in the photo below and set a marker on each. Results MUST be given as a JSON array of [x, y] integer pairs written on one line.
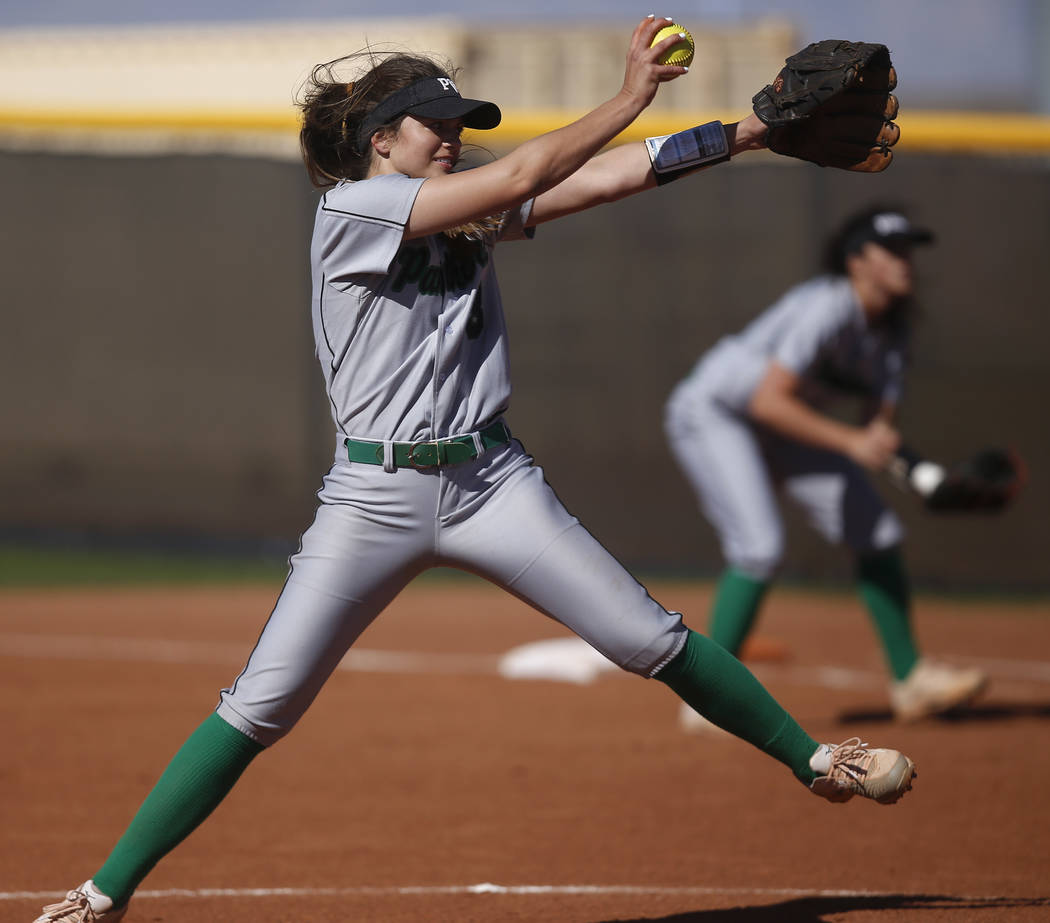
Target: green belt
[[451, 451]]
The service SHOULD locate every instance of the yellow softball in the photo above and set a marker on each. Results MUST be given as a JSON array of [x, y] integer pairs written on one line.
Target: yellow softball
[[681, 52]]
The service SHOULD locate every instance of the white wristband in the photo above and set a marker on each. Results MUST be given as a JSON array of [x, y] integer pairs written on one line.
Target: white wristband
[[689, 149]]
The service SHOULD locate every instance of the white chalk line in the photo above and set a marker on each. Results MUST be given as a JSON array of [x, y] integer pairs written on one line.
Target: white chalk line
[[583, 666], [506, 890], [156, 650]]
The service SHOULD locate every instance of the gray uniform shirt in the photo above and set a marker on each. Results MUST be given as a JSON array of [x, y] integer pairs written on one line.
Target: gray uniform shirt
[[410, 333], [816, 330]]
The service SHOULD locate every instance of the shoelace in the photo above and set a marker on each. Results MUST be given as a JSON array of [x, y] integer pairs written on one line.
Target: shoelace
[[846, 752], [76, 900]]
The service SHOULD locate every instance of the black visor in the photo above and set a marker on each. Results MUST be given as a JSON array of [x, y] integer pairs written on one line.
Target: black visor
[[432, 97]]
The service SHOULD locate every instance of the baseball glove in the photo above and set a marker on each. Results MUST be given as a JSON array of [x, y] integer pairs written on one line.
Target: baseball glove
[[831, 105], [986, 482]]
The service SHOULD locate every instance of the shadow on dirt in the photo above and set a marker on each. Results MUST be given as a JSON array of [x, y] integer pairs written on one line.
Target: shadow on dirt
[[819, 909], [978, 713]]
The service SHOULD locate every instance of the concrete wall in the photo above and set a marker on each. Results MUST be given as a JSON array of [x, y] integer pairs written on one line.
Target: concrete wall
[[158, 375]]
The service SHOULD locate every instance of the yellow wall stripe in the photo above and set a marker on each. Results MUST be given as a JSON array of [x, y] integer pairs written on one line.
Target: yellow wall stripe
[[970, 132]]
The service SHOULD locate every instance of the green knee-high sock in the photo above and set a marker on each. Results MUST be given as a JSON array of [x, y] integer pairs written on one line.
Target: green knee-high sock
[[737, 601], [725, 692], [884, 588], [196, 780]]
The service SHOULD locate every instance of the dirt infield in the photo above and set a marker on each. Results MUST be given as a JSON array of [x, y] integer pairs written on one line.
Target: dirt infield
[[423, 786]]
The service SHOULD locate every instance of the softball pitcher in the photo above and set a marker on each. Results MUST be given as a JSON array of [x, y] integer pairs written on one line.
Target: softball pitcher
[[411, 339], [751, 419]]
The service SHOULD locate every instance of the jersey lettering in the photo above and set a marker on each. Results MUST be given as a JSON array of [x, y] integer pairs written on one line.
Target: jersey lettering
[[431, 282], [455, 272], [412, 260]]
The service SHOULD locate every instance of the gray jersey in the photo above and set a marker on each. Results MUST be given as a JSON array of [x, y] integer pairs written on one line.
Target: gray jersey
[[816, 330], [410, 333]]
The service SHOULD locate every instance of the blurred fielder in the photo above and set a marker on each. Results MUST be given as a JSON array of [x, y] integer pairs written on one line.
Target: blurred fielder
[[751, 421]]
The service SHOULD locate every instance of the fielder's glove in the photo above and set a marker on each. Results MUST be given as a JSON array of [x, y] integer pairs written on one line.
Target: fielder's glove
[[987, 482], [831, 105]]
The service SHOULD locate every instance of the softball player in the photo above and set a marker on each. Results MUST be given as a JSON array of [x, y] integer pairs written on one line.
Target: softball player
[[751, 419], [410, 335]]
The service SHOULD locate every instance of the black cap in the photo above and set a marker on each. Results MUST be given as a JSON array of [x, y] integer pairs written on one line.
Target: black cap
[[433, 97], [888, 227]]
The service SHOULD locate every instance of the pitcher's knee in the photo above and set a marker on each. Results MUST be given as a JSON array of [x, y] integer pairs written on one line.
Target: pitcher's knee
[[759, 562], [264, 730], [876, 535], [644, 654]]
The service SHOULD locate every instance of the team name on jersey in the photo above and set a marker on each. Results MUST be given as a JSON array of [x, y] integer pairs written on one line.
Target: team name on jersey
[[455, 272]]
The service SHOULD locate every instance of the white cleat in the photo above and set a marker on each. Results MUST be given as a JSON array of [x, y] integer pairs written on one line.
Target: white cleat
[[85, 904], [852, 768], [933, 688]]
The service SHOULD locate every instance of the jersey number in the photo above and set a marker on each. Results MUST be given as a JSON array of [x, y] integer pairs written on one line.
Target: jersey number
[[476, 317]]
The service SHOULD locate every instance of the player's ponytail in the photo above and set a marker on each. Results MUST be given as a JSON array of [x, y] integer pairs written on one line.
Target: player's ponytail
[[334, 108]]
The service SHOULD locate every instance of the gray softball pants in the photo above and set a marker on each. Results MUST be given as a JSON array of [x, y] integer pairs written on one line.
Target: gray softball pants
[[736, 469], [375, 530]]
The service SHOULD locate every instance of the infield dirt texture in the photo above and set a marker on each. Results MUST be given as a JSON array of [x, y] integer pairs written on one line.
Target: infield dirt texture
[[422, 786]]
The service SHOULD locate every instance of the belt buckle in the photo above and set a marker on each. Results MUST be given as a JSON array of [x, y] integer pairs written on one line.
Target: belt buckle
[[416, 462]]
